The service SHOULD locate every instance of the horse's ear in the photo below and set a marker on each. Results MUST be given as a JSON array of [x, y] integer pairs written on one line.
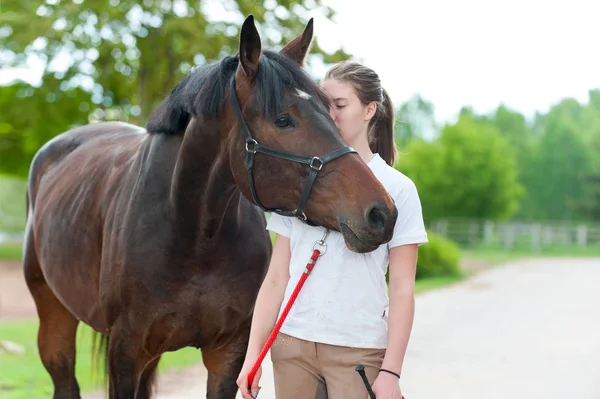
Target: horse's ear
[[250, 48], [299, 48]]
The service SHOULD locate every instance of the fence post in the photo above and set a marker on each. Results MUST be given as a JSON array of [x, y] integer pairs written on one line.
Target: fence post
[[442, 227], [509, 235], [536, 237], [548, 236], [582, 235], [488, 232], [473, 230]]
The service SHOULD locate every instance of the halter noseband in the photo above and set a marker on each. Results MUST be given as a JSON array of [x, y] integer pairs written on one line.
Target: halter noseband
[[253, 147]]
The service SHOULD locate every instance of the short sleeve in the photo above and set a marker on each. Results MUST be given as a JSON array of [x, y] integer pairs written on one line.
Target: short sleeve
[[280, 224], [410, 227]]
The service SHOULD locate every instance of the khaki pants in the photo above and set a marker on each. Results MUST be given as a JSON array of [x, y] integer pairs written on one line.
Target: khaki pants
[[308, 370]]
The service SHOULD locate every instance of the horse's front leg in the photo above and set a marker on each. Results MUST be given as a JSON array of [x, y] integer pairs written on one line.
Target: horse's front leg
[[126, 362], [224, 364]]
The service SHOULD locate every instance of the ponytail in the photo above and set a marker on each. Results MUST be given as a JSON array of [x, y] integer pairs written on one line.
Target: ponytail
[[382, 132]]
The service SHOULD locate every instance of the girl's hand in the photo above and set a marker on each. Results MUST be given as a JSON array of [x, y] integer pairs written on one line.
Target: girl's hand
[[242, 382], [386, 386]]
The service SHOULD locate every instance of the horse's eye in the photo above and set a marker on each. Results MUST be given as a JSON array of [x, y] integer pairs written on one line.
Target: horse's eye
[[284, 122]]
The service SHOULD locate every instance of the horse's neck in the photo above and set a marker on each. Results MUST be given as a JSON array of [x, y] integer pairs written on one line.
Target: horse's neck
[[203, 187]]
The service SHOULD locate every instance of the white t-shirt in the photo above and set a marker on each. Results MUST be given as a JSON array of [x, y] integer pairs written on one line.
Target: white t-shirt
[[345, 300]]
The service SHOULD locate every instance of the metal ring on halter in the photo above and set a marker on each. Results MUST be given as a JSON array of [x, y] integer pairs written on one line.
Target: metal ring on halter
[[316, 163], [322, 244], [252, 142]]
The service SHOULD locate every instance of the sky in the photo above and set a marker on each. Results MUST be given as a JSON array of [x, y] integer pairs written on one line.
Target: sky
[[526, 54]]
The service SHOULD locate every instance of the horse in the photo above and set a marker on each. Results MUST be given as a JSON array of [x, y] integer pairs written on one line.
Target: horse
[[155, 236]]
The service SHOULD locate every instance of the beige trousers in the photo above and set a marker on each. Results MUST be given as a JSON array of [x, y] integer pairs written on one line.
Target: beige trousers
[[308, 370]]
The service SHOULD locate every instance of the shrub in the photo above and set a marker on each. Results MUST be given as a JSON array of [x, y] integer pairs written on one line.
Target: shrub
[[440, 257]]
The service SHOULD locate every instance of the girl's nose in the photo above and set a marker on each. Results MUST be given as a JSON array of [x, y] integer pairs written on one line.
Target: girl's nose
[[332, 113]]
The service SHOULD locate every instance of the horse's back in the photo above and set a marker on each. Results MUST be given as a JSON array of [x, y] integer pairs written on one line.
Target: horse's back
[[93, 142], [73, 180]]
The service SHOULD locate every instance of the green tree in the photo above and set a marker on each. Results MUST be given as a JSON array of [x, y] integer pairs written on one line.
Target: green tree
[[127, 54], [513, 126], [590, 207], [563, 161], [470, 171], [415, 119], [31, 117]]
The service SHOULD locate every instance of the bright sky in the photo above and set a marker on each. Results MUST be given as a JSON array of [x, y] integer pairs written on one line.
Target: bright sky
[[527, 54]]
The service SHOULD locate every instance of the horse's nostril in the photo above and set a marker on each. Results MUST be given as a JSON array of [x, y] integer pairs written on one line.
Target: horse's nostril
[[377, 218]]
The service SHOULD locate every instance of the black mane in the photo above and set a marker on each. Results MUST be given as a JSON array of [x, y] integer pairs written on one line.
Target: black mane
[[203, 91]]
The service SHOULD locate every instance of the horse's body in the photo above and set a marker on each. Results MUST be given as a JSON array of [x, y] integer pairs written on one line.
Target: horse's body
[[151, 239], [118, 244]]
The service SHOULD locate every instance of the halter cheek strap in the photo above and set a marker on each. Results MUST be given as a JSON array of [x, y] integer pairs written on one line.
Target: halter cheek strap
[[253, 147]]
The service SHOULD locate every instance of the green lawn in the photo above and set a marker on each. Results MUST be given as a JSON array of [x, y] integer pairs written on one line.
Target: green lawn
[[24, 377], [431, 283], [10, 252], [498, 255]]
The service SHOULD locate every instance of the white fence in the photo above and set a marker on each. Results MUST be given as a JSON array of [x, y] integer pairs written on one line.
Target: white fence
[[510, 235], [470, 233], [11, 228]]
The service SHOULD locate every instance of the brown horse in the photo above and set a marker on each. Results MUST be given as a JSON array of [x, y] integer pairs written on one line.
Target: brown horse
[[156, 237]]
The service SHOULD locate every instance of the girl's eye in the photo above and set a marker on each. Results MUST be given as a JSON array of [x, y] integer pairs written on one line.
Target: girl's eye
[[284, 122]]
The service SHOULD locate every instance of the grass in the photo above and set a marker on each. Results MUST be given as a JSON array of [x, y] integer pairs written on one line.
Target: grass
[[10, 252], [23, 376], [499, 255], [432, 283]]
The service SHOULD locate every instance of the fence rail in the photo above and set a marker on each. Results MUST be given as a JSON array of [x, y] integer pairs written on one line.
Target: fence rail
[[534, 236], [11, 228], [469, 233]]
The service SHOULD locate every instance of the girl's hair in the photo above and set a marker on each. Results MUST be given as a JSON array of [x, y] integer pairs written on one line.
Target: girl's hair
[[368, 88]]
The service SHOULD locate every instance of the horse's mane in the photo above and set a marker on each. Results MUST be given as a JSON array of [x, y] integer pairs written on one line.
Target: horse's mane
[[202, 92]]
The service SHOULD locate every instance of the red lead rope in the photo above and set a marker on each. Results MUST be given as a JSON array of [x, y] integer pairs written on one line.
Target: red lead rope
[[309, 266]]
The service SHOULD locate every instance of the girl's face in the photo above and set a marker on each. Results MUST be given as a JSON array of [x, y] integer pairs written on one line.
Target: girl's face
[[350, 115]]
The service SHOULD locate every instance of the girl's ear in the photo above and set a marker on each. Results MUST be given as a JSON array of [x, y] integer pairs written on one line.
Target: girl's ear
[[371, 110]]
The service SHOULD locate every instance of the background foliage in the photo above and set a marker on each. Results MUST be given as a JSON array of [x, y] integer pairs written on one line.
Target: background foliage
[[116, 59]]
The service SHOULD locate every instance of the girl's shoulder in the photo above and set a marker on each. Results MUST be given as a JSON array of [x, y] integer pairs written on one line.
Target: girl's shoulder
[[394, 181]]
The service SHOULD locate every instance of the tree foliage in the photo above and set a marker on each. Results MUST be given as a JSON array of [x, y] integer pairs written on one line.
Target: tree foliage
[[117, 59], [470, 171], [501, 164]]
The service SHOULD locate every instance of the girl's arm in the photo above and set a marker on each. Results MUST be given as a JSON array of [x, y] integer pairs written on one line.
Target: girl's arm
[[402, 270], [270, 297]]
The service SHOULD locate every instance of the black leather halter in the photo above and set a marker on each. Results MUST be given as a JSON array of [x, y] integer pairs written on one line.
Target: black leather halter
[[252, 147]]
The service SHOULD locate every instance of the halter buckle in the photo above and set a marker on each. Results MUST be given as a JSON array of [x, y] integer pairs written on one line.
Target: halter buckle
[[300, 215], [251, 145], [316, 163]]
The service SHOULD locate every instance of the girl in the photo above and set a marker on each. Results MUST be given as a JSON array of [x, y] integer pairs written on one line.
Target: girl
[[343, 316]]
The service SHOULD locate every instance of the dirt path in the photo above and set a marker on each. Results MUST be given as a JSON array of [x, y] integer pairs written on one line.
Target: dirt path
[[528, 330], [15, 301]]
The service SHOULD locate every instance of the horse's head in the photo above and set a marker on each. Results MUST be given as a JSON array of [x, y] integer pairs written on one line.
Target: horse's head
[[286, 153]]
